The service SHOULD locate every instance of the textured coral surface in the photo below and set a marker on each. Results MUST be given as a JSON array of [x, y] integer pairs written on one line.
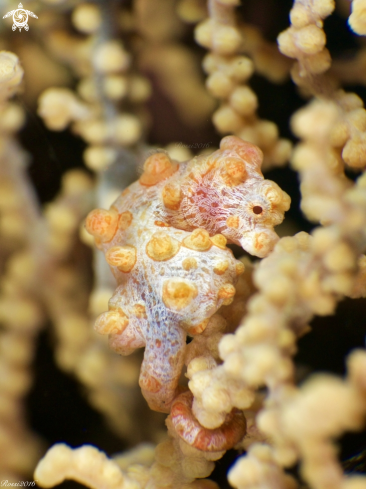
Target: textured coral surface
[[165, 239]]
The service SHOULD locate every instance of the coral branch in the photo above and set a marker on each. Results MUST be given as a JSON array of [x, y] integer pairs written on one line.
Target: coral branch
[[86, 465]]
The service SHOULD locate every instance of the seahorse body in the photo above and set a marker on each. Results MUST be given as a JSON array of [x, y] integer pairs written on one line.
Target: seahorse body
[[165, 240]]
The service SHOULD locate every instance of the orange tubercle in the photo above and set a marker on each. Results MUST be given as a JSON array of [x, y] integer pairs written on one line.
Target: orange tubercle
[[178, 293], [157, 167], [161, 224], [219, 240], [111, 322], [235, 172], [162, 247], [189, 264], [172, 196], [122, 257], [198, 240], [102, 224], [221, 267], [233, 222], [198, 328], [247, 151], [227, 291]]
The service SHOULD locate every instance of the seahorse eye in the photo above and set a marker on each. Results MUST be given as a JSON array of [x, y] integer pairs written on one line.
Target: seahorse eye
[[257, 209]]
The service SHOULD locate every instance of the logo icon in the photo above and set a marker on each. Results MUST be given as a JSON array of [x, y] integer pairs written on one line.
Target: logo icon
[[20, 18]]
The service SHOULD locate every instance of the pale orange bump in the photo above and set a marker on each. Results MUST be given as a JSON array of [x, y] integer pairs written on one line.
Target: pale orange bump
[[233, 222], [161, 224], [239, 268], [111, 322], [102, 224], [273, 194], [196, 329], [198, 240], [122, 257], [125, 220], [247, 151], [219, 240], [235, 171], [172, 196], [178, 293], [277, 197], [157, 167], [261, 240], [189, 264], [139, 311], [227, 292], [221, 267], [162, 247]]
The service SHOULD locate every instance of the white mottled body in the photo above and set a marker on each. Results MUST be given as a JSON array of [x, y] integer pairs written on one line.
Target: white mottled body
[[165, 240]]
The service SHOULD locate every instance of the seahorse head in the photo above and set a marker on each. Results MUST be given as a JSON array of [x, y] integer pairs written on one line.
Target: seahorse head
[[226, 193]]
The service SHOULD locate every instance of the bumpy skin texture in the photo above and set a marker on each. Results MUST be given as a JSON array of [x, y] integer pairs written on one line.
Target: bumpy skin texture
[[165, 240]]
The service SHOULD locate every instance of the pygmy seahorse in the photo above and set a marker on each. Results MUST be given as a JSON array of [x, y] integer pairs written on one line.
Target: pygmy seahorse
[[165, 240]]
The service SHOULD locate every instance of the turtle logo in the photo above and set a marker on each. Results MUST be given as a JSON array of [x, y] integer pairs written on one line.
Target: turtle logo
[[20, 17]]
